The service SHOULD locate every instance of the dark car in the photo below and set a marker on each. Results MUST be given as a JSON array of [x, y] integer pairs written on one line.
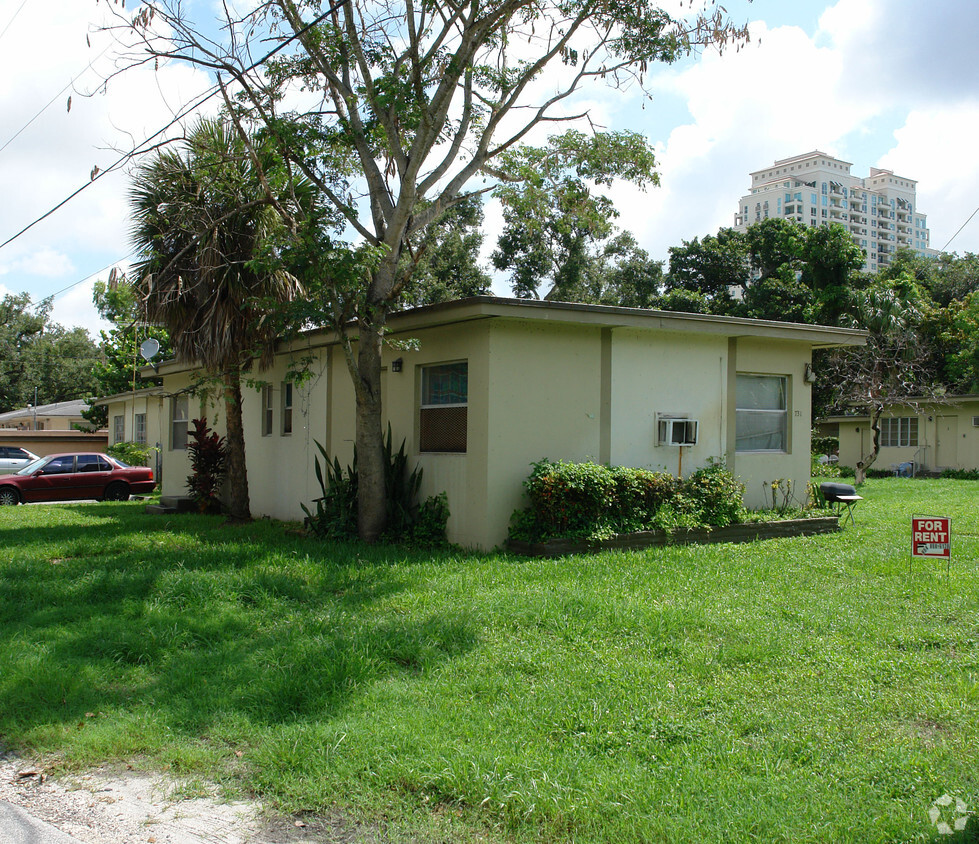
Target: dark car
[[70, 477]]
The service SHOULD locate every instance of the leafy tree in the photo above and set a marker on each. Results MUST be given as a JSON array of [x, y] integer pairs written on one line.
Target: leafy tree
[[889, 368], [405, 106], [830, 262], [204, 227], [629, 277], [778, 297], [117, 369], [36, 354], [949, 278], [556, 225], [776, 246], [963, 335], [447, 264], [712, 266]]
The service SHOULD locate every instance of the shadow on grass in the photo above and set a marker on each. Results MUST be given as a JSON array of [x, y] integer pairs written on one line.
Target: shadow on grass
[[191, 622]]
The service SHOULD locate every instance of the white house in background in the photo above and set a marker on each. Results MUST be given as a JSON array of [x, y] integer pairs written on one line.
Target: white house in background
[[491, 386], [930, 435], [60, 416]]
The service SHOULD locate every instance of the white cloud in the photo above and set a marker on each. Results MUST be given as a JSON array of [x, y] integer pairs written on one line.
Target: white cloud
[[55, 153], [936, 146], [790, 92], [75, 308]]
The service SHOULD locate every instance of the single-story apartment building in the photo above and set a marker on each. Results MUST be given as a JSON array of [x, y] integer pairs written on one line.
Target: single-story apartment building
[[481, 388], [930, 434]]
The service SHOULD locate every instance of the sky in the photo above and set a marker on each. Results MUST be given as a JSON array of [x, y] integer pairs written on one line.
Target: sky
[[878, 83]]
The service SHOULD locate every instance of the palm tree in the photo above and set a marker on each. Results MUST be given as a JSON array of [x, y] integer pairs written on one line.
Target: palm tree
[[206, 219]]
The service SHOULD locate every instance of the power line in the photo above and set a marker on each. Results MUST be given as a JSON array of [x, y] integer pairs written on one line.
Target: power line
[[12, 19], [86, 278], [14, 137], [204, 98], [973, 214]]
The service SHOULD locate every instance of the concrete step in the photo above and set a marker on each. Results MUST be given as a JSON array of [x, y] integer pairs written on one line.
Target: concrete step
[[159, 509], [181, 503]]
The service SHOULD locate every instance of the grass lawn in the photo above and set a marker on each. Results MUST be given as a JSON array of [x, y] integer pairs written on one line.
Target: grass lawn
[[791, 690]]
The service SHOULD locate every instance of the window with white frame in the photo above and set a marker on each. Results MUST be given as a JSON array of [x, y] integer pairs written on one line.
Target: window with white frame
[[179, 417], [761, 413], [139, 428], [899, 431], [286, 407], [118, 428], [444, 408], [266, 410]]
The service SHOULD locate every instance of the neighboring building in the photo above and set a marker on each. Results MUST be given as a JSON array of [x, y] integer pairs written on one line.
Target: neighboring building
[[138, 416], [931, 435], [135, 416], [60, 416], [880, 211], [494, 385], [43, 443]]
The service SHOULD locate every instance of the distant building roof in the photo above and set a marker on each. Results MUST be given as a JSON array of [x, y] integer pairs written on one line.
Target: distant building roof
[[60, 408]]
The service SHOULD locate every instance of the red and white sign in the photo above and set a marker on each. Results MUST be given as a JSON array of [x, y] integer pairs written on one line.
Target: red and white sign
[[931, 537]]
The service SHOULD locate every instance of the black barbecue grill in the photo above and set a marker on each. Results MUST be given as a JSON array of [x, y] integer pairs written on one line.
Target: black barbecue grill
[[843, 496]]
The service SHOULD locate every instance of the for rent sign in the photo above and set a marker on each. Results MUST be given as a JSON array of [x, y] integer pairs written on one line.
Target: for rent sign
[[931, 537]]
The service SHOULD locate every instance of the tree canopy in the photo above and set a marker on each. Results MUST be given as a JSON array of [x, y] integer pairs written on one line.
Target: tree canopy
[[38, 354], [405, 107]]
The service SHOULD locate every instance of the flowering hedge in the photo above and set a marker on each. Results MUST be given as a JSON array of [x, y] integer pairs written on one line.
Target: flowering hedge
[[593, 501]]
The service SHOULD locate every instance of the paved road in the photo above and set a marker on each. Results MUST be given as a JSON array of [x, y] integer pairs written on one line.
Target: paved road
[[18, 827]]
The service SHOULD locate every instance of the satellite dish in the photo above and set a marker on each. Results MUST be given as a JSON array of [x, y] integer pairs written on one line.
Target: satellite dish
[[149, 349]]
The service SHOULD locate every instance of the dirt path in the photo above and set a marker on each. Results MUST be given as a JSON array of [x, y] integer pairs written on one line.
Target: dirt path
[[113, 806]]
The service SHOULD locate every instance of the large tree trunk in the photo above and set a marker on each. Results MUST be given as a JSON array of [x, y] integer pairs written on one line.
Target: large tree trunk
[[371, 501], [869, 460], [236, 470]]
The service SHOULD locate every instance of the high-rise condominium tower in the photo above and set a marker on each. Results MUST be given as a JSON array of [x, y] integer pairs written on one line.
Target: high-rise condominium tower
[[880, 211]]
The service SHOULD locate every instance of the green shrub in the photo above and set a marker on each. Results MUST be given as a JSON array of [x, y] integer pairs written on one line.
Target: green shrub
[[717, 496], [824, 445], [587, 500], [133, 454], [847, 471], [961, 474], [429, 527], [207, 453], [335, 514]]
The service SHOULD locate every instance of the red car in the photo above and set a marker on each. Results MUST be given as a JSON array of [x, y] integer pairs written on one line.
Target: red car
[[70, 477]]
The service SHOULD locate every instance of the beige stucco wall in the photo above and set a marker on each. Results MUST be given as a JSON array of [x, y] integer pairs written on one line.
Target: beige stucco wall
[[947, 438], [756, 470], [537, 388], [281, 471]]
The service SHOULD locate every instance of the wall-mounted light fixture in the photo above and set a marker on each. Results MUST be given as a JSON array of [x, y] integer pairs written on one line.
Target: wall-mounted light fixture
[[397, 364], [809, 374]]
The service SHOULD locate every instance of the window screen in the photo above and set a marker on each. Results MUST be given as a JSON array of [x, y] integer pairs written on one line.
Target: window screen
[[266, 410], [443, 416], [286, 407], [179, 415], [761, 415]]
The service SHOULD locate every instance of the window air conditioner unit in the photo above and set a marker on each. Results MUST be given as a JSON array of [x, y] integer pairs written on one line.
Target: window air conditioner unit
[[677, 432], [975, 421]]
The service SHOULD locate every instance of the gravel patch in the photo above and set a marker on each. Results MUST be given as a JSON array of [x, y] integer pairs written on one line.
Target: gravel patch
[[121, 806]]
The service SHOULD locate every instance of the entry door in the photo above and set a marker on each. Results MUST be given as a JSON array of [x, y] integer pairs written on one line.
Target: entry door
[[947, 442]]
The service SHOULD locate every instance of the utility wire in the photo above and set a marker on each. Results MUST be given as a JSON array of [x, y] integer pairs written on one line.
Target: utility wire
[[21, 6], [14, 137], [86, 278], [203, 99], [973, 214]]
